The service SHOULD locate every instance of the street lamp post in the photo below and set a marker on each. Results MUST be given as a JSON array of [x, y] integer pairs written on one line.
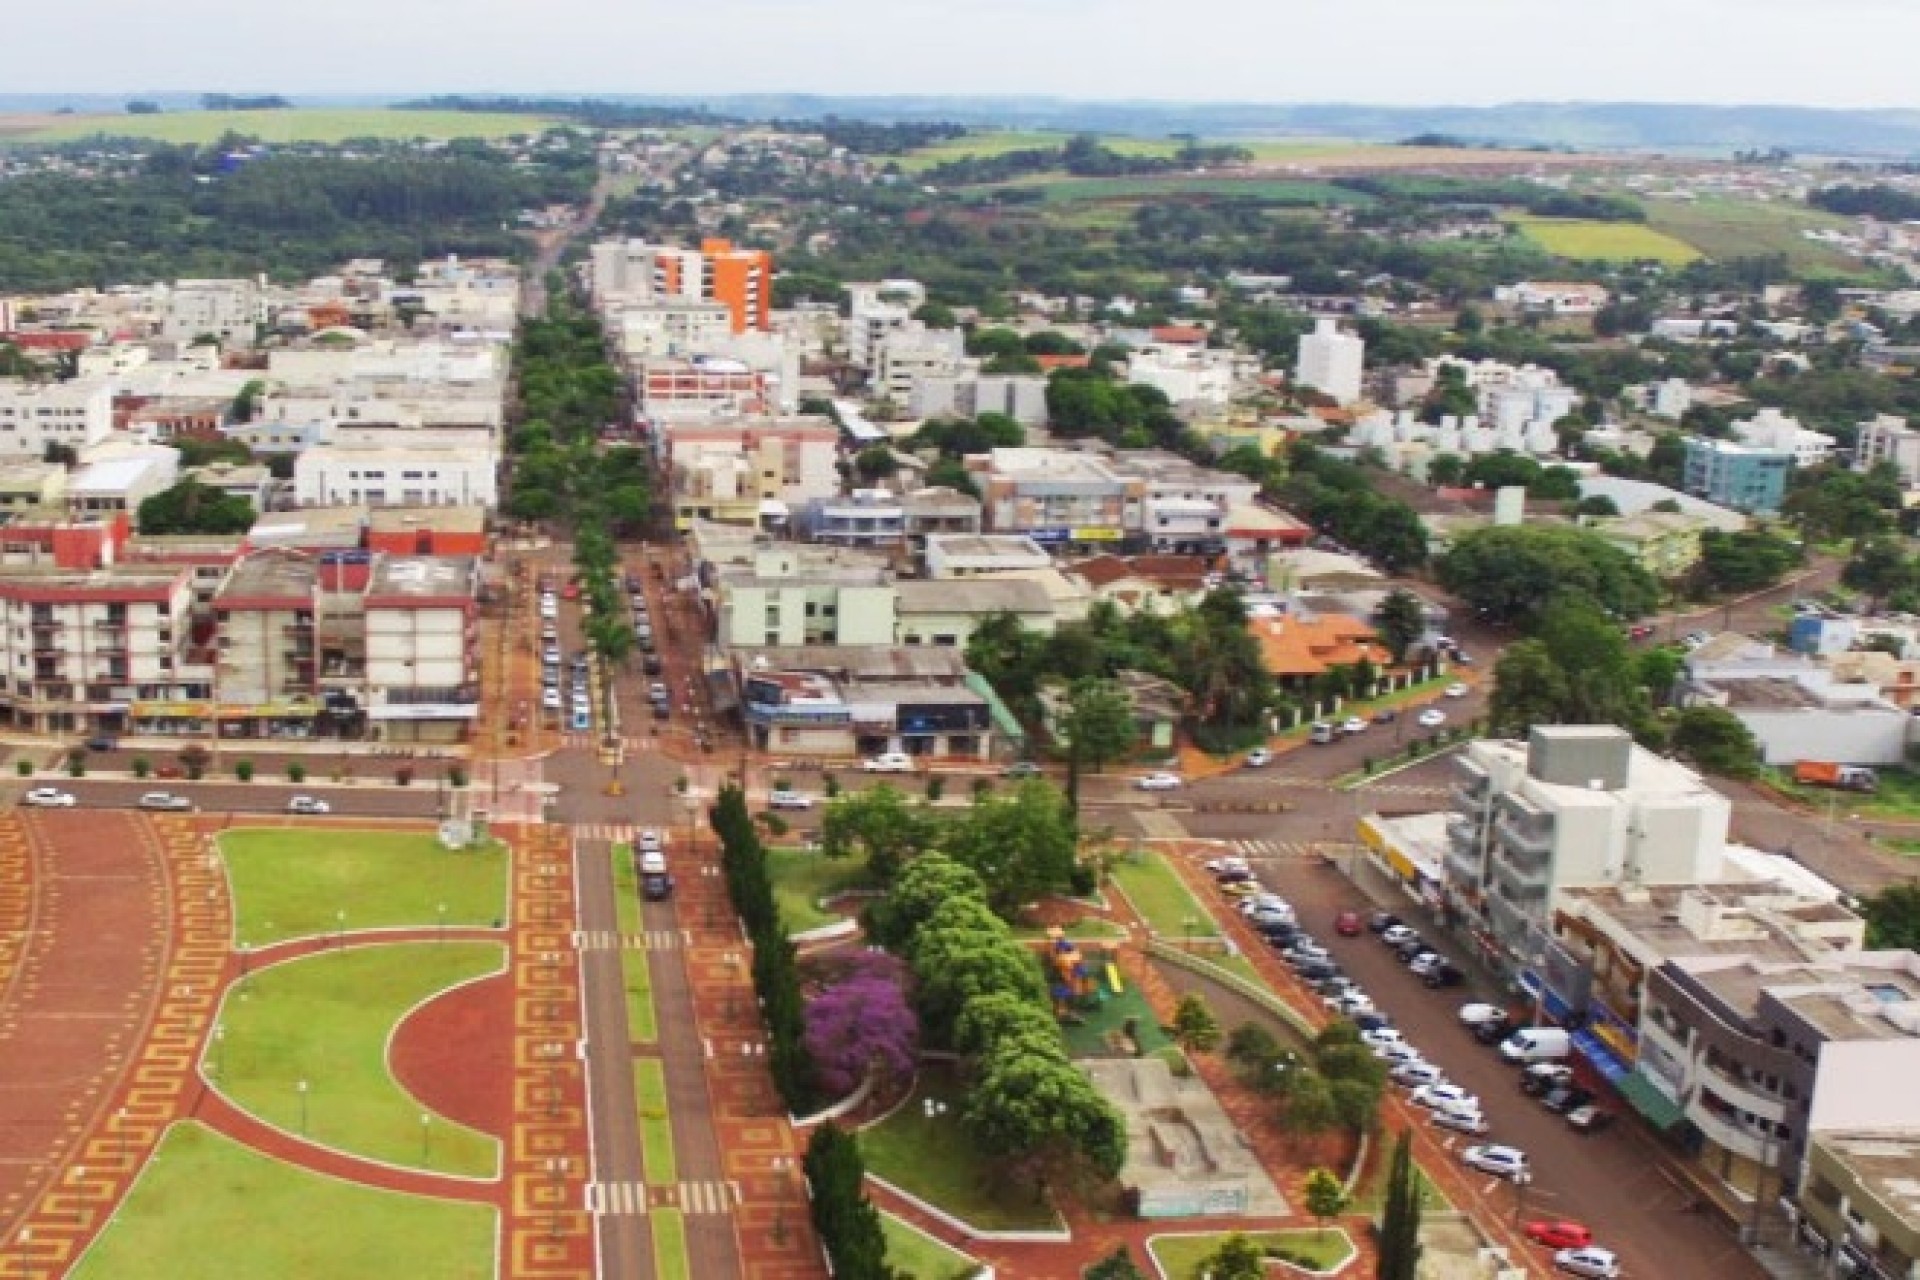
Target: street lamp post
[[301, 1088], [219, 1052], [426, 1141], [441, 911], [340, 928]]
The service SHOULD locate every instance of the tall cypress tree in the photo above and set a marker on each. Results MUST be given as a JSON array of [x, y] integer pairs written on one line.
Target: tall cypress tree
[[1400, 1222]]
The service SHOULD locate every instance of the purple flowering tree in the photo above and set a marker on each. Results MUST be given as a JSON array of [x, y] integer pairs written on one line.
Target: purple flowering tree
[[861, 1022]]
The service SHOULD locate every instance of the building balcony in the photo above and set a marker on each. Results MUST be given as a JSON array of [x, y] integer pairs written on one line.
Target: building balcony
[[1463, 864], [1519, 884], [1741, 1093], [428, 695], [1727, 1133]]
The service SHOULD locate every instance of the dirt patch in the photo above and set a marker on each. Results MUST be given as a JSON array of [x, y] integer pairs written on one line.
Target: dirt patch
[[455, 1054]]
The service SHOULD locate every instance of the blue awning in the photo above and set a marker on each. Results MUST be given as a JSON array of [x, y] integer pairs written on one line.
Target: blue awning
[[1601, 1055]]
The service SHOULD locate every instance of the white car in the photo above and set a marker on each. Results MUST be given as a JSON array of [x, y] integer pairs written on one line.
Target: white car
[[1396, 1055], [1258, 758], [1477, 1013], [649, 841], [1350, 1002], [1456, 690], [164, 800], [1591, 1261], [1502, 1162], [549, 608], [1436, 1096], [1460, 1120], [1158, 782], [784, 799], [1353, 724], [1432, 719], [550, 698], [1396, 935], [1381, 1036], [1417, 1074], [48, 798], [308, 804], [1231, 865], [889, 762]]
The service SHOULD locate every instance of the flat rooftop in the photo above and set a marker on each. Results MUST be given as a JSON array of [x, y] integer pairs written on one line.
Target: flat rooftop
[[1887, 1165], [438, 519], [988, 546], [308, 522], [272, 576], [1652, 914], [862, 664], [972, 595], [425, 577]]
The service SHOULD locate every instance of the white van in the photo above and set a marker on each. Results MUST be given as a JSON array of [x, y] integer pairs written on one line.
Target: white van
[[1536, 1044], [653, 862], [1322, 733]]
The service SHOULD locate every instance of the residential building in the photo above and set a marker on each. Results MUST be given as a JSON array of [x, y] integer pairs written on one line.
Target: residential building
[[266, 682], [1664, 543], [743, 471], [29, 485], [1022, 397], [1155, 584], [874, 310], [1772, 429], [969, 555], [1553, 297], [1860, 1194], [789, 595], [944, 614], [121, 479], [1331, 362], [701, 388], [741, 280], [1746, 478], [938, 511], [1295, 649], [229, 310], [825, 701], [1889, 439], [1058, 496], [74, 414], [251, 483], [1796, 708], [1186, 375], [460, 470], [81, 649], [873, 518], [1575, 805], [903, 356], [53, 536], [422, 643], [667, 328]]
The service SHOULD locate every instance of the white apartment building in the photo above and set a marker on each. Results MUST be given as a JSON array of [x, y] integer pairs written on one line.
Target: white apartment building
[[1185, 375], [230, 310], [1575, 805], [34, 415], [669, 327], [793, 596], [1331, 362], [906, 355], [972, 554], [1022, 397], [115, 481], [381, 364], [1888, 438], [422, 648], [1772, 429], [461, 473], [78, 648]]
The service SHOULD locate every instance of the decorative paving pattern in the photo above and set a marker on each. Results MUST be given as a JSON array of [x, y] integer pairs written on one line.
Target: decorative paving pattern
[[108, 1130], [548, 1230]]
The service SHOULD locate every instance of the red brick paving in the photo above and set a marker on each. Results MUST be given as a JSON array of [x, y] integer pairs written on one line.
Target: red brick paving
[[451, 1056]]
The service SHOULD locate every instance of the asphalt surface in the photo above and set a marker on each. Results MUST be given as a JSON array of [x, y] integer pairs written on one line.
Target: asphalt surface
[[625, 1240], [227, 796]]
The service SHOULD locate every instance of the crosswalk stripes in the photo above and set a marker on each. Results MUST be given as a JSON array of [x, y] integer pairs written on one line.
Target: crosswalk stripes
[[616, 832], [1271, 848], [707, 1197], [616, 1197], [609, 940]]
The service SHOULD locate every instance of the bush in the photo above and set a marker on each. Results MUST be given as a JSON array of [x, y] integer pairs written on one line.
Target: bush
[[296, 772], [142, 766], [77, 763], [831, 785], [23, 767], [982, 788], [1083, 881], [194, 759], [243, 770], [456, 777], [403, 776], [936, 786], [775, 824]]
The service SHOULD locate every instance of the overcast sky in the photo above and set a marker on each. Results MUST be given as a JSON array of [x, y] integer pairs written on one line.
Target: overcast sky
[[1818, 52]]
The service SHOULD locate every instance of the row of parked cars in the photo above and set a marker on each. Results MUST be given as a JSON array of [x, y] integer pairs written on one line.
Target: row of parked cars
[[160, 801], [1538, 1050]]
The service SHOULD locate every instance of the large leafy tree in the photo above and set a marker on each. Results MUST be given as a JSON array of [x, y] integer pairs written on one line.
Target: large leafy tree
[[1716, 740], [1400, 619], [1098, 724], [1746, 561], [880, 826], [922, 887], [192, 507], [1040, 1113], [1893, 917], [1577, 670], [1509, 574], [861, 1025], [1021, 842]]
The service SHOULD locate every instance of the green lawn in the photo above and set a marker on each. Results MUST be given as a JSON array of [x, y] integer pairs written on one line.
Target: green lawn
[[1087, 1038], [1583, 240], [294, 883], [1089, 927], [306, 124], [918, 1256], [936, 1160], [1295, 191], [801, 879], [669, 1245], [996, 142], [1180, 1256], [656, 1126], [1161, 897], [626, 890], [643, 1025], [327, 1019], [207, 1208], [1722, 228]]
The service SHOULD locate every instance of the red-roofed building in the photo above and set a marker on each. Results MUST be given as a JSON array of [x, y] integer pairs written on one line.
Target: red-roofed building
[[50, 340], [1186, 335], [1049, 363], [1296, 650]]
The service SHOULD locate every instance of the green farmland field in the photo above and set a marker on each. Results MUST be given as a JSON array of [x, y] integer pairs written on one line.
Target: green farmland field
[[1588, 241], [296, 125]]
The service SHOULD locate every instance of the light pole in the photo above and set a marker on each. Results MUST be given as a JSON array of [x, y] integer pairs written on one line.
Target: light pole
[[340, 928], [426, 1141], [441, 910], [219, 1052], [301, 1088]]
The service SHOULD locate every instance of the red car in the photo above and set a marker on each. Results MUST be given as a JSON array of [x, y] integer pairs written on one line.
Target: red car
[[1348, 924], [1559, 1235]]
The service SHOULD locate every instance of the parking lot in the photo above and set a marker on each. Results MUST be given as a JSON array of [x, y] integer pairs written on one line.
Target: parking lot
[[1613, 1181]]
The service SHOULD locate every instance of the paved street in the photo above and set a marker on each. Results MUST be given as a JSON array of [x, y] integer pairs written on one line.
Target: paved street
[[227, 796]]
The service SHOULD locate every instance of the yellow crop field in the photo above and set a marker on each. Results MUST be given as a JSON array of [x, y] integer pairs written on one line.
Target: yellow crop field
[[1587, 241], [297, 124]]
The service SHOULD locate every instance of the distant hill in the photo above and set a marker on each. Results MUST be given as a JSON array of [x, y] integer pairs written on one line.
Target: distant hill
[[1584, 126]]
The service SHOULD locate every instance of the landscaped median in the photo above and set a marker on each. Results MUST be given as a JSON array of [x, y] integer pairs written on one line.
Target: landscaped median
[[635, 975], [1312, 1250], [306, 1047], [207, 1208], [918, 1256], [1160, 897]]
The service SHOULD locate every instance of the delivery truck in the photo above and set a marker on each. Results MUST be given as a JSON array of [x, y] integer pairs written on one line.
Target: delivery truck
[[1841, 777]]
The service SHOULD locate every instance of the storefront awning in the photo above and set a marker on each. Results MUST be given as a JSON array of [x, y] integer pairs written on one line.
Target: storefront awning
[[1660, 1110], [1604, 1059]]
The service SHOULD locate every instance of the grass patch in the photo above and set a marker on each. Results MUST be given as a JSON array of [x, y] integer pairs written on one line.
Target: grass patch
[[1721, 228], [1087, 1038], [326, 1019], [301, 124], [918, 1256], [293, 884], [669, 1245], [1904, 847], [1180, 1256], [1371, 1195], [207, 1208], [1292, 191], [1898, 796], [1584, 240], [626, 890], [656, 1126], [935, 1159], [801, 879], [643, 1024], [1161, 897], [997, 142]]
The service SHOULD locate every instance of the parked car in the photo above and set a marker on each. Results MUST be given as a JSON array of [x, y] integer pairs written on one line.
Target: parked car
[[888, 762], [1435, 1096], [1395, 934], [102, 742], [1350, 1002], [1347, 924], [48, 798], [1477, 1012], [1411, 949], [1258, 758], [1421, 963], [1314, 970], [1385, 717], [1456, 690], [1541, 1078], [1444, 974], [1589, 1118], [1381, 1035], [1381, 921], [1234, 876], [1353, 724], [1432, 718], [1461, 1120], [1221, 866], [1416, 1075], [785, 799], [1374, 1021], [1566, 1098], [308, 804], [1158, 782], [1395, 1055], [1592, 1262], [163, 800], [1558, 1233], [1500, 1161], [1021, 769]]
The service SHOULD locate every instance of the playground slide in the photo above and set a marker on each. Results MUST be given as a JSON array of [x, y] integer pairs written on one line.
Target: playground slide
[[1113, 979]]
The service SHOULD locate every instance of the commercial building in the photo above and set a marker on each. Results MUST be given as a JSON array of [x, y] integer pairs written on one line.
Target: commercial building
[[1860, 1197], [422, 648], [120, 480], [822, 701], [1059, 497], [790, 596], [73, 414], [969, 555], [1331, 362], [1796, 708], [1889, 439], [748, 471], [945, 614], [455, 469], [80, 649], [1022, 397], [1744, 477], [741, 280]]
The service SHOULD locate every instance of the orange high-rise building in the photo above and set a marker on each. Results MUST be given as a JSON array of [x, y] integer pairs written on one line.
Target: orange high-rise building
[[739, 279]]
